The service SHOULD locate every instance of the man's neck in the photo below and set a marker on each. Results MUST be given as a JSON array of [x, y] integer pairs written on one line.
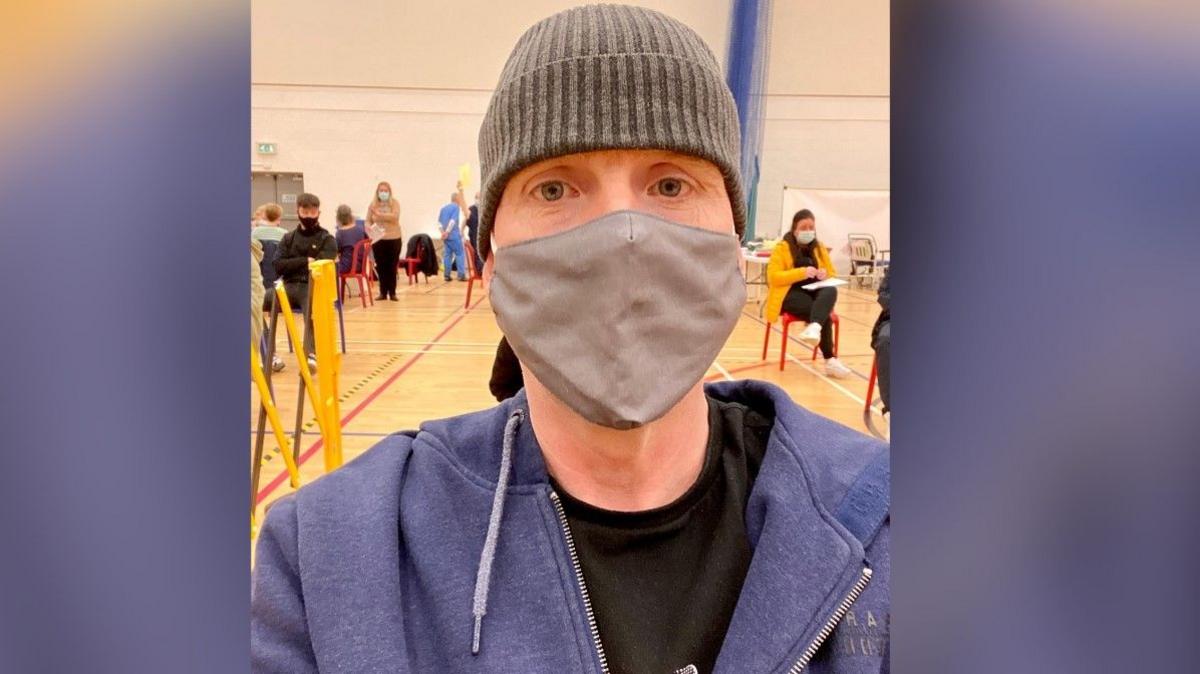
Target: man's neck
[[638, 469]]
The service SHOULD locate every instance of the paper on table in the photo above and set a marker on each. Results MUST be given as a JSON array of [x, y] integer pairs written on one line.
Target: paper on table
[[827, 283]]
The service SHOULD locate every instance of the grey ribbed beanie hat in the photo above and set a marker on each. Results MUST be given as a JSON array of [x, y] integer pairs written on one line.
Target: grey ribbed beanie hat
[[607, 77]]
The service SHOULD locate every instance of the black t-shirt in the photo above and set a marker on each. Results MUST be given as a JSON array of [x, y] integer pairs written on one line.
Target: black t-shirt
[[664, 583]]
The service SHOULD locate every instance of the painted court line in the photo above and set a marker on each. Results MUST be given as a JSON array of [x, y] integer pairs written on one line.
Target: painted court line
[[415, 342], [714, 377], [808, 347], [431, 351], [723, 371], [828, 380], [834, 384], [363, 434], [813, 370], [308, 453]]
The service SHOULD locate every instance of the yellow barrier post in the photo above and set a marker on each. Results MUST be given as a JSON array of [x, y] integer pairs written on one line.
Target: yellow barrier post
[[273, 415], [324, 292], [289, 322]]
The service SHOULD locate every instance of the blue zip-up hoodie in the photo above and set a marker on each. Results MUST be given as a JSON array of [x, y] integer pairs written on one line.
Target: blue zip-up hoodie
[[445, 550]]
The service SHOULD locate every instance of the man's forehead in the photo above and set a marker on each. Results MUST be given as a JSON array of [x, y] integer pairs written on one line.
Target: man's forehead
[[608, 158]]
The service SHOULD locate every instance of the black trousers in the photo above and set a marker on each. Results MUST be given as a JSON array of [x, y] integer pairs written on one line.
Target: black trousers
[[883, 362], [297, 294], [813, 306], [387, 256]]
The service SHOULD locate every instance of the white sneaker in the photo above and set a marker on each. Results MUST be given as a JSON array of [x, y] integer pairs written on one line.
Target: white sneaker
[[277, 364], [812, 332], [312, 364], [835, 369]]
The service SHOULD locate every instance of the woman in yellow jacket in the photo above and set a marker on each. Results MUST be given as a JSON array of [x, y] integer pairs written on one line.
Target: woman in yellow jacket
[[798, 260]]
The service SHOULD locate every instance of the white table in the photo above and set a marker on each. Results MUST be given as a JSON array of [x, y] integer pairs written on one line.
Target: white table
[[759, 281]]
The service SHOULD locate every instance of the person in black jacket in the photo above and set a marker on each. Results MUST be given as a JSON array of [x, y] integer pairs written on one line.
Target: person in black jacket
[[308, 242], [473, 235], [881, 340]]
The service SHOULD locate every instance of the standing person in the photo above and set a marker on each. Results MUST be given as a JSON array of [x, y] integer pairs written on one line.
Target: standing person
[[611, 516], [309, 241], [473, 234], [449, 219], [797, 260], [881, 340], [347, 235], [383, 216]]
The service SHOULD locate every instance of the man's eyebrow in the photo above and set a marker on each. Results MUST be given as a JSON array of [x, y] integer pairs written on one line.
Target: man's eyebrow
[[554, 166]]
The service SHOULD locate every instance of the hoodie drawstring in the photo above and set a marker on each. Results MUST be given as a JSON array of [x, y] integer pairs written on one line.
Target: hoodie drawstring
[[483, 577]]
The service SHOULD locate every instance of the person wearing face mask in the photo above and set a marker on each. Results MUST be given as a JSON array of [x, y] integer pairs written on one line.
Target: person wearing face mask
[[800, 259], [383, 216], [616, 515], [309, 241]]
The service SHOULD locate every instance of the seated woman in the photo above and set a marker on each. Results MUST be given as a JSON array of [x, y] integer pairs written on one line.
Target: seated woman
[[348, 234], [798, 260]]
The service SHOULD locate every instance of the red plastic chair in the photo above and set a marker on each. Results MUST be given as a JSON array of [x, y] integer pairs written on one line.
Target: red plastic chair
[[472, 272], [787, 320], [358, 270], [871, 387], [410, 264]]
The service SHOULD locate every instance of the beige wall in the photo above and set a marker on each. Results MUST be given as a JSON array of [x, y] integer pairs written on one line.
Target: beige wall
[[429, 44], [822, 48], [357, 92], [828, 112]]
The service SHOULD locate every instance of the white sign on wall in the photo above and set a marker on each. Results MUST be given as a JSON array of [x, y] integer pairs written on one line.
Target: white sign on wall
[[839, 213]]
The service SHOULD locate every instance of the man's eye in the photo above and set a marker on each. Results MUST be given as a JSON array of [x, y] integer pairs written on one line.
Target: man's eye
[[552, 190], [669, 187]]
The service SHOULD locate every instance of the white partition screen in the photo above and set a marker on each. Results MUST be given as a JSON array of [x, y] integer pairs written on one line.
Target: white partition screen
[[842, 212]]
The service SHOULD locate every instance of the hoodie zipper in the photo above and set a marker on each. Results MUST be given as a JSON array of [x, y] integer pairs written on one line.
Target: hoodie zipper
[[834, 619], [587, 602]]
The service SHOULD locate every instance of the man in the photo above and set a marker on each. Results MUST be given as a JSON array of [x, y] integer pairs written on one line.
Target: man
[[448, 222], [616, 515], [309, 241]]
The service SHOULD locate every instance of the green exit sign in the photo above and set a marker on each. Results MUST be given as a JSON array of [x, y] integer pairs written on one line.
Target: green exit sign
[[266, 148]]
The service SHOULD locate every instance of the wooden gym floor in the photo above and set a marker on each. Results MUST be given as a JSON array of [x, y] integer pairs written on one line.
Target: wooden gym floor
[[428, 357]]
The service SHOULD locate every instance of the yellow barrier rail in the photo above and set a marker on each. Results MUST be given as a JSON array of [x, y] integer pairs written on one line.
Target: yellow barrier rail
[[289, 322], [264, 393]]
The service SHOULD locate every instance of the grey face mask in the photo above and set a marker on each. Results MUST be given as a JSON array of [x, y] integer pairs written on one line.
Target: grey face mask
[[621, 316]]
